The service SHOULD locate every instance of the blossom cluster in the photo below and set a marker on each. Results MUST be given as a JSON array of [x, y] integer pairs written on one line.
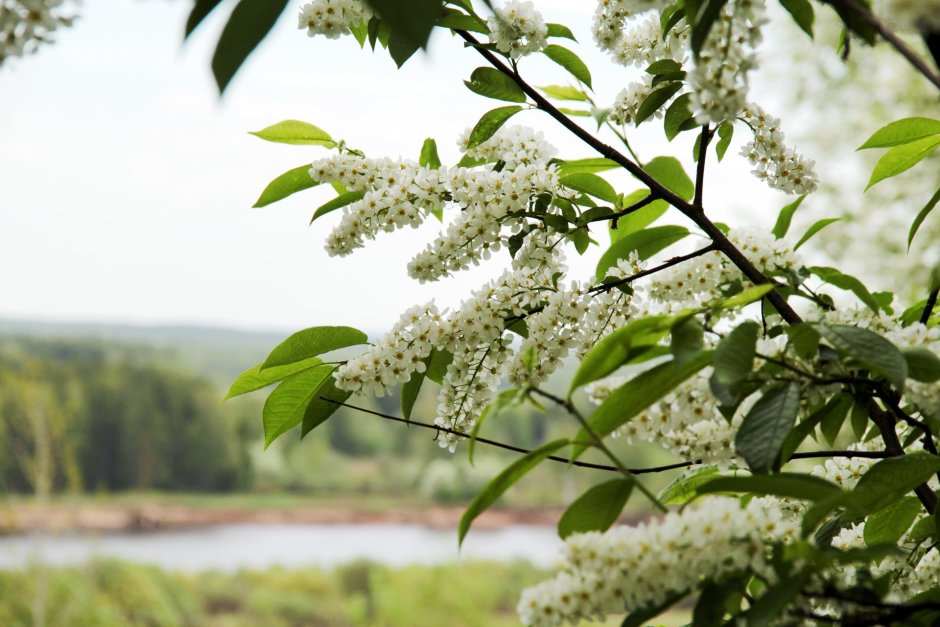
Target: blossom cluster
[[631, 32], [779, 166], [719, 79], [26, 24], [511, 145], [628, 101], [332, 18], [631, 568], [517, 29]]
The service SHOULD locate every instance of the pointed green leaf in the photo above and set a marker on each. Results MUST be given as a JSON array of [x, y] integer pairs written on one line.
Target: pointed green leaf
[[902, 132], [559, 30], [564, 92], [503, 481], [766, 426], [201, 9], [492, 83], [313, 342], [490, 123], [669, 172], [295, 132], [639, 219], [922, 364], [846, 282], [655, 100], [677, 114], [324, 402], [570, 61], [890, 480], [285, 406], [286, 184], [646, 243], [902, 158], [814, 229], [789, 485], [597, 509], [343, 200], [888, 525], [410, 389], [868, 348], [428, 157], [802, 13], [921, 216], [734, 355], [586, 166], [616, 349], [747, 296], [683, 488], [590, 184], [255, 378], [250, 22], [725, 133], [785, 216]]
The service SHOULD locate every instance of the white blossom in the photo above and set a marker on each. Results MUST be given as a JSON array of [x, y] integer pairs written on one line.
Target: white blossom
[[27, 24], [517, 29], [780, 167], [333, 18]]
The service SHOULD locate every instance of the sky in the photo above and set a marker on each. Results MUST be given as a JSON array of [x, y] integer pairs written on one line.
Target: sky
[[126, 183]]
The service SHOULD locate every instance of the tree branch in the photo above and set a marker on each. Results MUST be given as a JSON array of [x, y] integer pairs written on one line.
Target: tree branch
[[704, 138], [928, 308], [606, 287]]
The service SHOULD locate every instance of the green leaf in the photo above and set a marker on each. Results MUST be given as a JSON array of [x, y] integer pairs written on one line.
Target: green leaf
[[669, 172], [642, 616], [637, 394], [766, 610], [570, 61], [646, 243], [559, 30], [639, 219], [704, 20], [687, 340], [922, 364], [814, 229], [410, 390], [747, 296], [312, 342], [683, 488], [902, 132], [246, 27], [868, 348], [590, 184], [575, 112], [891, 479], [297, 133], [888, 525], [785, 484], [318, 410], [765, 427], [921, 216], [597, 509], [490, 123], [785, 216], [725, 133], [655, 100], [563, 92], [619, 347], [459, 21], [428, 157], [586, 166], [503, 481], [902, 158], [716, 600], [805, 340], [492, 83], [437, 367], [677, 114], [285, 406], [411, 23], [803, 14], [734, 355], [339, 202], [664, 66], [201, 10], [290, 182], [833, 416], [846, 282], [255, 378]]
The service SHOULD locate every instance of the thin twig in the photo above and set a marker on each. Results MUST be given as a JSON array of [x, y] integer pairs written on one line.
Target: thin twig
[[704, 138], [606, 287], [928, 308]]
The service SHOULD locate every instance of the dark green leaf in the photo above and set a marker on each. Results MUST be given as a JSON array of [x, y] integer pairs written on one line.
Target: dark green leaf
[[902, 132], [645, 243], [410, 22], [814, 229], [777, 598], [664, 66], [688, 339], [440, 359], [868, 348], [339, 202], [888, 525], [284, 408], [459, 21], [789, 485], [570, 61], [597, 509], [492, 83], [833, 416], [683, 489], [922, 364], [618, 348], [490, 123], [255, 378], [846, 282], [891, 479], [766, 426], [805, 340], [653, 102], [710, 608], [503, 481], [429, 158], [803, 14], [248, 25], [901, 158], [297, 133], [725, 133], [704, 20], [410, 390], [678, 113], [785, 216], [590, 184], [637, 394], [320, 408], [286, 184], [641, 617], [313, 342], [201, 10], [921, 216], [734, 355]]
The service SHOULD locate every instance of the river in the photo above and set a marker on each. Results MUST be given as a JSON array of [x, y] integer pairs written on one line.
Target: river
[[233, 547]]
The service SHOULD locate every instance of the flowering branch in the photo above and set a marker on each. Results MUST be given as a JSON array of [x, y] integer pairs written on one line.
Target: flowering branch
[[928, 307]]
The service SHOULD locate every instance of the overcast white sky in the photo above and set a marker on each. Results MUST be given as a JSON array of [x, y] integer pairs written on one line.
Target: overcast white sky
[[126, 184]]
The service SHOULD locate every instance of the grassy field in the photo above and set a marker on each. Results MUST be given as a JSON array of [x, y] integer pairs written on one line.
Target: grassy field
[[110, 593]]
